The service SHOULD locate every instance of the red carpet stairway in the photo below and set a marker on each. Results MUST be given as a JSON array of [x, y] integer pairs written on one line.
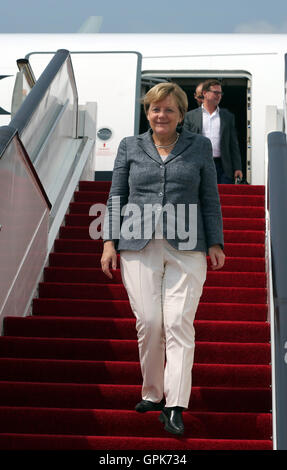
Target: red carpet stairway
[[69, 374]]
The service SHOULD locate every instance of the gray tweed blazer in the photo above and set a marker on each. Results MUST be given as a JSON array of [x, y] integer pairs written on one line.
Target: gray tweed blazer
[[181, 190]]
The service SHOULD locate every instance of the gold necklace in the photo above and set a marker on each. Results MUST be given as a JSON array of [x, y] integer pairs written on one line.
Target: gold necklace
[[167, 146]]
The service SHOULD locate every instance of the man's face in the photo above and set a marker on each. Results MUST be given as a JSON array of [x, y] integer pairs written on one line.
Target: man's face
[[213, 95], [198, 96]]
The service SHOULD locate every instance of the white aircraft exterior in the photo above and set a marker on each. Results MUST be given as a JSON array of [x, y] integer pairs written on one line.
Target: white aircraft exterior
[[251, 67], [112, 71]]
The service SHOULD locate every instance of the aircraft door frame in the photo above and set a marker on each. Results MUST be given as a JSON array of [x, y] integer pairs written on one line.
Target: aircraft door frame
[[153, 75]]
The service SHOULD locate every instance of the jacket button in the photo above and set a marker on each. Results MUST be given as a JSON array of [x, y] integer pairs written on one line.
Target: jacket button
[[160, 194]]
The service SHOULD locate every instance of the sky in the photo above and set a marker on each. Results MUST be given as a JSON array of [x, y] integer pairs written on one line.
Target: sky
[[149, 16]]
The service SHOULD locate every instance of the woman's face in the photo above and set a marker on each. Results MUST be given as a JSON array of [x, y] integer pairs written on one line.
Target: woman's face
[[164, 116]]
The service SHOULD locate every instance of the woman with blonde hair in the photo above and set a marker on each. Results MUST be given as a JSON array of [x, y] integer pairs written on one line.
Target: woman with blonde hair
[[163, 216]]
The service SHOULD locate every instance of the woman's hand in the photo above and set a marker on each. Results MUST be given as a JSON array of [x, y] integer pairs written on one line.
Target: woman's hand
[[217, 257], [109, 257]]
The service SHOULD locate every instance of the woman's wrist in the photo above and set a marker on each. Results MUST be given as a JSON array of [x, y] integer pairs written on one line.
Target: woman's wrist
[[109, 244]]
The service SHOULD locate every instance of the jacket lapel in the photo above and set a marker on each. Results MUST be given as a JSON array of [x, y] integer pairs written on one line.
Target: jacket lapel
[[146, 143], [222, 122], [199, 119], [183, 142]]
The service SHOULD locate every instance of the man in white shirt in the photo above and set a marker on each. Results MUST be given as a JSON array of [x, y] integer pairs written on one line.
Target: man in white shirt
[[218, 125]]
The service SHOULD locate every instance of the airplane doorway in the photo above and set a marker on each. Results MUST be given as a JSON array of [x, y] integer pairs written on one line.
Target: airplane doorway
[[236, 98]]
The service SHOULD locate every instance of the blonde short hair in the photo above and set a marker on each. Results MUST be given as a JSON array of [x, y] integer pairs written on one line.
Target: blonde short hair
[[160, 91]]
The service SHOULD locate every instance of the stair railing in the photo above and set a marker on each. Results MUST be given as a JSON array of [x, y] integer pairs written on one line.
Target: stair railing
[[24, 82], [285, 96], [24, 219], [277, 255], [42, 160]]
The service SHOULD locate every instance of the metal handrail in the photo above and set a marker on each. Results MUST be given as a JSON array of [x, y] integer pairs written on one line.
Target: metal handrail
[[285, 96], [26, 111], [6, 136], [25, 67], [277, 203], [35, 128]]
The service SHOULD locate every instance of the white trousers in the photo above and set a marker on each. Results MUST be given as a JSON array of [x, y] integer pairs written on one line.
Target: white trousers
[[164, 286]]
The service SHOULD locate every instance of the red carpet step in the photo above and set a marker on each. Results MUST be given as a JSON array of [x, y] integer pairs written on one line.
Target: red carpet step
[[112, 349], [70, 375], [95, 246], [121, 308], [117, 292], [232, 263], [89, 421], [122, 328], [23, 441], [96, 275], [128, 372], [70, 395]]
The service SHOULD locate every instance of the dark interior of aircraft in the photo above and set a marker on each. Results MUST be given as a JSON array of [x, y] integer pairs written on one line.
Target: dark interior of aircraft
[[234, 99]]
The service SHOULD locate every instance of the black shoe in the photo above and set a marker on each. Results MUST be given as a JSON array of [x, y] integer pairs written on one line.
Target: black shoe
[[172, 419], [146, 405]]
